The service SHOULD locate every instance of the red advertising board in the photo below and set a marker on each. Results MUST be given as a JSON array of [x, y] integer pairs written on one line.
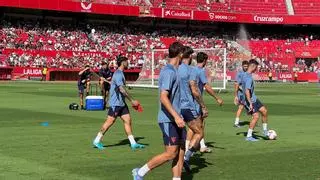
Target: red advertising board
[[74, 6], [285, 76], [235, 17]]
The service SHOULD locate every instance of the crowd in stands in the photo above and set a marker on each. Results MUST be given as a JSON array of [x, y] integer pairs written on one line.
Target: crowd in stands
[[74, 45]]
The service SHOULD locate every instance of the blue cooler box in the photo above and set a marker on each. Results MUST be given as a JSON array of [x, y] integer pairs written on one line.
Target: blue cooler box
[[94, 103]]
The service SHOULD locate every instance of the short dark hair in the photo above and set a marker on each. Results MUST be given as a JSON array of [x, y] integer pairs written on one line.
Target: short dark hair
[[201, 57], [253, 61], [175, 49], [120, 59], [187, 51], [245, 62]]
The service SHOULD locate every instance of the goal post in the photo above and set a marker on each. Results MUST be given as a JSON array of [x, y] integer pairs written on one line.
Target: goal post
[[154, 60]]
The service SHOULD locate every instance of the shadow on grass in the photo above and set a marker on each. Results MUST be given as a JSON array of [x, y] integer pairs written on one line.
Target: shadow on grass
[[198, 163], [126, 142], [254, 134]]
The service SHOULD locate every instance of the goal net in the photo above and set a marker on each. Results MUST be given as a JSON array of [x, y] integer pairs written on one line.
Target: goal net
[[154, 60]]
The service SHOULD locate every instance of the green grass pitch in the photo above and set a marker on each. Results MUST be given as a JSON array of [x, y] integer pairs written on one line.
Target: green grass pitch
[[63, 150]]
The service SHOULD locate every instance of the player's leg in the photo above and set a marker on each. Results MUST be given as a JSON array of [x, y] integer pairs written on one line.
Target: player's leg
[[189, 137], [264, 113], [177, 164], [105, 127], [88, 86], [203, 147], [81, 91], [127, 123], [172, 138], [238, 114], [171, 152], [255, 117], [106, 93]]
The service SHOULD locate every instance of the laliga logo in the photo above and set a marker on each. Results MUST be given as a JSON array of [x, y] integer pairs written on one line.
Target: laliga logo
[[211, 15], [84, 6]]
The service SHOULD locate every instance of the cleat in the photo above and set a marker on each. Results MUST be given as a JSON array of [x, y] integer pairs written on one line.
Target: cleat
[[265, 133], [186, 166], [205, 150], [252, 139], [135, 174], [137, 146], [99, 146]]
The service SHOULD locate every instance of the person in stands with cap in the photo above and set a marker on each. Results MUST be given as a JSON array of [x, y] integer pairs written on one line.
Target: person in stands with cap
[[105, 76]]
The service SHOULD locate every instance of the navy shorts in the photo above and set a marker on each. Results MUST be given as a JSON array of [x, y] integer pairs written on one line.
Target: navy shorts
[[172, 134], [189, 114], [81, 87], [256, 106], [118, 111], [241, 99]]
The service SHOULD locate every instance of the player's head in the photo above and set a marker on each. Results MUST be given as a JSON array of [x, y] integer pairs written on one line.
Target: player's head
[[176, 51], [202, 58], [187, 55], [87, 66], [104, 64], [253, 65], [245, 65], [122, 62]]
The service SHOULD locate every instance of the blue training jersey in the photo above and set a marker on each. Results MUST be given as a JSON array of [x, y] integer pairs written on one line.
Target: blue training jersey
[[239, 77], [187, 101], [199, 75], [116, 98], [248, 83], [169, 81]]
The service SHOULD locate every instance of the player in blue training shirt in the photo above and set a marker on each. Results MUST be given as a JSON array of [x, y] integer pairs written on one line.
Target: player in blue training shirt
[[252, 103], [238, 92], [118, 106], [169, 118], [202, 82], [192, 105]]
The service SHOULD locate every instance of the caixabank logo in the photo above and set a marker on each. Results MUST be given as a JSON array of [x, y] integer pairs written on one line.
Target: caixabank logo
[[86, 5], [177, 14]]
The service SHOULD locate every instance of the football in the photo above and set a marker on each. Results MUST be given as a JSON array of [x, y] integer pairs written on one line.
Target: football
[[272, 134]]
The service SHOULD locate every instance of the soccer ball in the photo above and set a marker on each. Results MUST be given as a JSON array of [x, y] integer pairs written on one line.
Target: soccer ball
[[272, 134]]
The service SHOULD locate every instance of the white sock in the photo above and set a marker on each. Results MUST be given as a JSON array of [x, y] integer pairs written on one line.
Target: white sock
[[143, 170], [176, 178], [131, 139], [236, 121], [249, 134], [265, 126], [98, 138], [187, 144], [202, 144]]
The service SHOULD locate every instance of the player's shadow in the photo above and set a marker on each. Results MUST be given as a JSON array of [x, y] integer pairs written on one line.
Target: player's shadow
[[244, 123], [197, 162], [211, 144], [126, 142], [254, 134]]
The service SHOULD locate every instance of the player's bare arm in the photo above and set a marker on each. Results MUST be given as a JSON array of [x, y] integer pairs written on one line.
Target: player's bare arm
[[81, 72], [125, 92], [210, 91], [197, 95], [164, 99], [236, 88], [248, 97]]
